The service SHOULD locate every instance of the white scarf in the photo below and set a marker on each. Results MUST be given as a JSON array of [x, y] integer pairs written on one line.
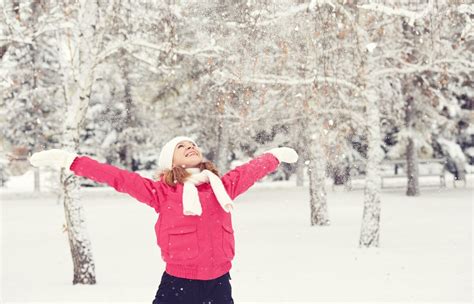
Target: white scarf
[[191, 203]]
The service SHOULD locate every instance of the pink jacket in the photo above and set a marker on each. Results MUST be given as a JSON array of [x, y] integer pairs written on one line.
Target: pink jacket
[[193, 247]]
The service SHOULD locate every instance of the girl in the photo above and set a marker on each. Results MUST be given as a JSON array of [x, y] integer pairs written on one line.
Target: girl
[[194, 227]]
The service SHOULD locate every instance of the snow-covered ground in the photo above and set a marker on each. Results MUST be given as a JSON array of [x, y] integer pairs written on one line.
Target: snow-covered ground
[[425, 253]]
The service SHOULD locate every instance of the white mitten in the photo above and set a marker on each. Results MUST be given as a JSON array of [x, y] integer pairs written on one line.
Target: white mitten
[[53, 158], [284, 154]]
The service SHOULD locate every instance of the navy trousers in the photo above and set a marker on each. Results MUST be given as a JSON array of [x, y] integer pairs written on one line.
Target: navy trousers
[[174, 290]]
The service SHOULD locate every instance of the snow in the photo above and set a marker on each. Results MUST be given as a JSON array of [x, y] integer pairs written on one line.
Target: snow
[[470, 151], [466, 9], [411, 15], [258, 75], [425, 252], [453, 150], [371, 47]]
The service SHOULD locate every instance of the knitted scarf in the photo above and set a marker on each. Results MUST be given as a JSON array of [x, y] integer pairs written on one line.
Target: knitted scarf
[[191, 203]]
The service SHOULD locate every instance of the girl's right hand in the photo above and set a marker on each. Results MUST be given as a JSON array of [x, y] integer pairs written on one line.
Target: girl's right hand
[[53, 158]]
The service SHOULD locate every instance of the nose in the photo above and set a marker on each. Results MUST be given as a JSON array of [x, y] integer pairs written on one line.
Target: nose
[[189, 148]]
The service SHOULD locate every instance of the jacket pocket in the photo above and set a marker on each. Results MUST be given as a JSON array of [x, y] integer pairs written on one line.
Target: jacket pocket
[[183, 243], [228, 242]]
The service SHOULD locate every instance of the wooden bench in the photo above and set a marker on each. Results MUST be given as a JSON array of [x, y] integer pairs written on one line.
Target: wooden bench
[[395, 168], [399, 165]]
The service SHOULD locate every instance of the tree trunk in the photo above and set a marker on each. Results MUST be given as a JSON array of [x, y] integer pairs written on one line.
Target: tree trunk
[[298, 133], [79, 56], [37, 179], [317, 177], [222, 148], [413, 188], [80, 246], [126, 150], [79, 243], [370, 225], [369, 236], [300, 172]]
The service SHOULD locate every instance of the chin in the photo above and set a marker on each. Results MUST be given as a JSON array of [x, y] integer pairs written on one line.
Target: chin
[[193, 164]]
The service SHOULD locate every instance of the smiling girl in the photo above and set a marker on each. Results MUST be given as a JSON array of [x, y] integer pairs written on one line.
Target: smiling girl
[[194, 204]]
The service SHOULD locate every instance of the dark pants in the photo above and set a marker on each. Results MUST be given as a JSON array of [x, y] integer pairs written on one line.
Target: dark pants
[[174, 290]]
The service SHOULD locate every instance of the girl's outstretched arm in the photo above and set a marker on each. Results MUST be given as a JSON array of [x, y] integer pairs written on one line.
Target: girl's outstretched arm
[[241, 178], [141, 188]]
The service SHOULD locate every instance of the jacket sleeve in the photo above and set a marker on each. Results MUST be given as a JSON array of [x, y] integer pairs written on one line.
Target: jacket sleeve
[[241, 178], [139, 187]]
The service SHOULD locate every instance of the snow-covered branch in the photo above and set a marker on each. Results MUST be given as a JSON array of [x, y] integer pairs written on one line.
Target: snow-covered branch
[[411, 15], [114, 48], [466, 9], [150, 66], [466, 63], [199, 51], [281, 15], [166, 47], [290, 81], [295, 10], [418, 69], [8, 39]]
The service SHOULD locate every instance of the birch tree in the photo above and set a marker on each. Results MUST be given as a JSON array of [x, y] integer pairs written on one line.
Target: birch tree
[[79, 45], [88, 39], [83, 45]]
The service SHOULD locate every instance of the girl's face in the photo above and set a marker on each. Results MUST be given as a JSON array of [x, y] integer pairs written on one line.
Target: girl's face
[[186, 155]]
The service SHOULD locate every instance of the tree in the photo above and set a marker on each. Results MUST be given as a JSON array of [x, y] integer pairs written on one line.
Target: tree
[[423, 57], [84, 45], [30, 91]]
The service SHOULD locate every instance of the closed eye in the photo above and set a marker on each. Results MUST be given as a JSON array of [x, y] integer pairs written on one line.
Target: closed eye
[[179, 146]]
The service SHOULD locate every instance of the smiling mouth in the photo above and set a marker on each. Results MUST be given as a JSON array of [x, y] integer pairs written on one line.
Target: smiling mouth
[[191, 153]]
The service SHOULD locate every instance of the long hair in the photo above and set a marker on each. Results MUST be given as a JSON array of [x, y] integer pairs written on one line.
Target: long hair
[[178, 174]]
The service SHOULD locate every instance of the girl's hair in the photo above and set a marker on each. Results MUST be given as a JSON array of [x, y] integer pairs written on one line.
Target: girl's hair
[[179, 174]]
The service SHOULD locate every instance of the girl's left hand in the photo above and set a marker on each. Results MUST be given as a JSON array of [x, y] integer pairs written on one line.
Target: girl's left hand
[[285, 154]]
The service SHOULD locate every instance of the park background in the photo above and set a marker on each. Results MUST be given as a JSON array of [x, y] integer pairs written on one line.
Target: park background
[[376, 97]]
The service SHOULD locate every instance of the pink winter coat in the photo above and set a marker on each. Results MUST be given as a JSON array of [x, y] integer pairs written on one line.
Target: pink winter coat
[[193, 247]]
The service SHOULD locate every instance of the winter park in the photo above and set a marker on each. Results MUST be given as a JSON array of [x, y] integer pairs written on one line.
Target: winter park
[[290, 151]]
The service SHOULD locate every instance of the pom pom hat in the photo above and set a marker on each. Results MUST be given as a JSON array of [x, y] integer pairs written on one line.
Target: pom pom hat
[[165, 161]]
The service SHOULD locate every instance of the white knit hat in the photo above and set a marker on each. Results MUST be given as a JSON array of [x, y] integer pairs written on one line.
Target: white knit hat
[[165, 161]]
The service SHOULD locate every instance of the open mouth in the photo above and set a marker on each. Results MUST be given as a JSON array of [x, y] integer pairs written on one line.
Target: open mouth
[[191, 153]]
